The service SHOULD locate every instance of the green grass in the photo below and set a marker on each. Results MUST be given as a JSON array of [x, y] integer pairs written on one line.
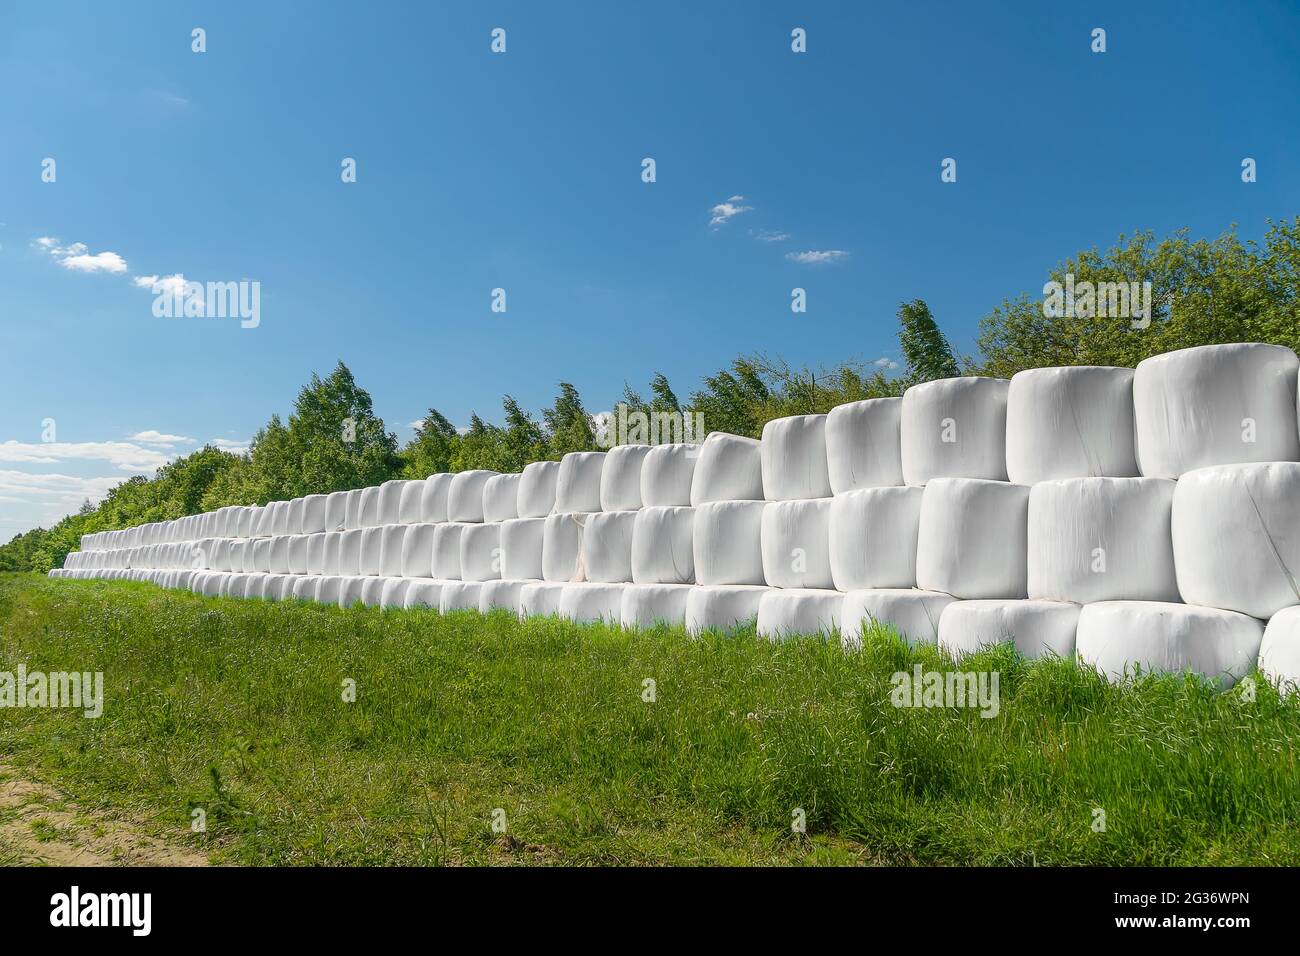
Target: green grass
[[236, 707]]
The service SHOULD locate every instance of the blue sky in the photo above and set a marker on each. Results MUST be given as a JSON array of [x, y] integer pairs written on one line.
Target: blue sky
[[522, 171]]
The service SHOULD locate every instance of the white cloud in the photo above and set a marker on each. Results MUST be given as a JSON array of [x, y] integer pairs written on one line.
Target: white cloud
[[235, 445], [885, 362], [126, 456], [78, 258], [172, 285], [726, 210], [770, 235], [24, 486], [816, 256], [416, 425], [152, 437]]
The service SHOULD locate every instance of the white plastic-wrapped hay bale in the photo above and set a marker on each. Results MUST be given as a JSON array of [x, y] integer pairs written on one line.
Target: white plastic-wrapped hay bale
[[372, 550], [368, 509], [313, 514], [333, 549], [417, 551], [460, 596], [587, 603], [729, 468], [372, 590], [211, 584], [1236, 537], [786, 612], [244, 519], [336, 511], [424, 593], [914, 614], [537, 489], [446, 551], [329, 588], [796, 544], [723, 607], [1101, 539], [562, 547], [727, 539], [863, 448], [1119, 638], [954, 428], [255, 587], [793, 458], [350, 589], [315, 553], [390, 501], [480, 552], [501, 498], [649, 605], [394, 592], [298, 554], [294, 514], [663, 546], [540, 598], [1215, 405], [238, 585], [350, 553], [1279, 653], [261, 555], [278, 562], [666, 475], [872, 535], [972, 539], [433, 498], [1072, 422], [237, 548], [391, 547], [1037, 628], [503, 595], [521, 548], [620, 478], [411, 503], [352, 509], [607, 546], [465, 498], [577, 485]]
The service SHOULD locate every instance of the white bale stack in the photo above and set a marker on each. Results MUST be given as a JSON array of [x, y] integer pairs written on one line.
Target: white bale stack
[[1101, 539], [460, 596], [465, 497], [336, 511], [350, 590], [972, 539], [502, 595], [1236, 537], [368, 510], [372, 590], [480, 552], [1215, 405], [663, 550], [537, 489], [728, 542], [433, 499], [796, 544], [521, 548], [607, 545], [297, 554], [424, 593], [786, 612], [914, 614], [863, 445], [411, 504], [577, 486], [315, 554], [1037, 628], [352, 509], [562, 547], [722, 607], [446, 551], [1279, 653], [650, 605], [329, 589], [1121, 637], [333, 550], [586, 603], [540, 598], [1072, 422], [392, 545], [349, 553], [501, 498], [417, 551], [313, 514], [954, 428], [729, 468], [394, 592], [666, 475], [372, 551], [872, 537], [793, 458], [620, 478], [390, 502]]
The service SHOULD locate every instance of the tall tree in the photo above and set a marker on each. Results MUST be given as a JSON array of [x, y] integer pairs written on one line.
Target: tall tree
[[925, 348]]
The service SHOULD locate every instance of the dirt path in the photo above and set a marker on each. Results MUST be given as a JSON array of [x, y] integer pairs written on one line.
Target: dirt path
[[38, 826]]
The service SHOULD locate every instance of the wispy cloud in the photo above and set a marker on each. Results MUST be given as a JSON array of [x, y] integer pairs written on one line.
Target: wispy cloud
[[23, 486], [126, 456], [152, 437], [724, 211], [816, 256], [172, 285], [770, 235], [885, 362], [234, 445], [78, 258]]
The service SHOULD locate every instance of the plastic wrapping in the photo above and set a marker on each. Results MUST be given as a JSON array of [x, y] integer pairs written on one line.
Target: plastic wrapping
[[793, 457], [788, 612], [577, 486], [390, 502], [315, 554], [336, 510], [446, 551], [480, 552], [663, 549], [1072, 422], [1101, 539], [973, 539], [729, 468], [255, 585], [540, 598], [500, 594], [872, 537], [243, 524], [728, 542], [863, 447], [368, 510], [433, 498], [411, 503], [1037, 628], [350, 589], [796, 544], [501, 498], [424, 593], [562, 547], [417, 551], [297, 554], [352, 509], [329, 588], [607, 546], [350, 553], [620, 478], [372, 550], [237, 548], [293, 516], [588, 603], [237, 585], [261, 556], [722, 608], [912, 613], [391, 547], [372, 590], [333, 545], [1236, 537], [1279, 654], [954, 428], [304, 587], [521, 548], [465, 498], [537, 489], [666, 475], [650, 605], [394, 593], [460, 596], [1120, 637], [313, 514], [1214, 405]]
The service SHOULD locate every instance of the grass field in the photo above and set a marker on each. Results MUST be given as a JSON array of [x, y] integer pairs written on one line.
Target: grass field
[[237, 708]]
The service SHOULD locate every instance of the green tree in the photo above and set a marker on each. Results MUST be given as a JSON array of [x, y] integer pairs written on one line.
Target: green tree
[[926, 351]]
